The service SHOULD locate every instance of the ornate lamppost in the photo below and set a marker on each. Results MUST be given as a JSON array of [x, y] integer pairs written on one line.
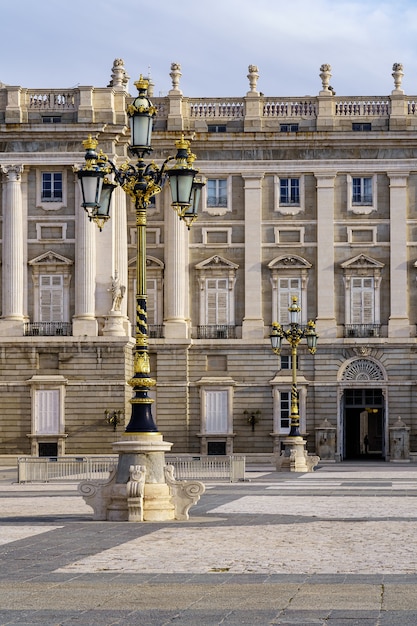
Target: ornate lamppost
[[143, 444], [295, 457]]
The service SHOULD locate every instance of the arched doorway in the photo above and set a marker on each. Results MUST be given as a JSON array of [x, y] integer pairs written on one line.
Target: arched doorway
[[362, 424]]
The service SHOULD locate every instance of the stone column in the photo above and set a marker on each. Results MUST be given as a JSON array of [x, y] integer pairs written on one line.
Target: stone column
[[176, 309], [253, 323], [399, 323], [326, 320], [84, 321], [119, 217], [13, 253]]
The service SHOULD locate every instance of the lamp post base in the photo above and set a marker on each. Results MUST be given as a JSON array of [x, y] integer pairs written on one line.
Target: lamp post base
[[295, 457], [142, 488]]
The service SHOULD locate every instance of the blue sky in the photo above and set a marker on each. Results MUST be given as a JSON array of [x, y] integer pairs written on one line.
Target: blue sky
[[61, 44]]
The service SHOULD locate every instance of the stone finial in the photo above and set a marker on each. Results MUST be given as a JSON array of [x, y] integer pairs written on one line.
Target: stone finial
[[397, 74], [119, 77], [253, 77], [325, 75], [175, 76]]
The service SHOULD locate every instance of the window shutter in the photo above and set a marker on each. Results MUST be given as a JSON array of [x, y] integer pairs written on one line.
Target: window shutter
[[288, 287], [217, 301], [47, 412], [362, 301], [151, 303], [51, 295], [216, 411]]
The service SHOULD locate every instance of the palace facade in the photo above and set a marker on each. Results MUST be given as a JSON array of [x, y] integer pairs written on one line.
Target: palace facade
[[314, 197]]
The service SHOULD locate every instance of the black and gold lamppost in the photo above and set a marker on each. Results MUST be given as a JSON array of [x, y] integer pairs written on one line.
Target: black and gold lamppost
[[141, 181], [294, 334]]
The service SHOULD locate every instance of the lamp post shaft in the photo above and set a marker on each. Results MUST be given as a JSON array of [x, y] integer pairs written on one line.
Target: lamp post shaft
[[294, 417]]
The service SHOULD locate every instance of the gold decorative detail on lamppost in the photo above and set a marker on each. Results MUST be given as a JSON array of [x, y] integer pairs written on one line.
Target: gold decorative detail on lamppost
[[294, 334]]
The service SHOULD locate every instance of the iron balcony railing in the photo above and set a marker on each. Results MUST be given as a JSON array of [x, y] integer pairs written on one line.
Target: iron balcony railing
[[48, 329], [216, 331], [362, 330]]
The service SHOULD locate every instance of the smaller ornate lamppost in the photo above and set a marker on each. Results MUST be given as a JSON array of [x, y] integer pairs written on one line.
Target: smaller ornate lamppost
[[295, 457]]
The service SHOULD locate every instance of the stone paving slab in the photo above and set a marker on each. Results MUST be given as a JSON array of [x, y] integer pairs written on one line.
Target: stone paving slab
[[336, 547]]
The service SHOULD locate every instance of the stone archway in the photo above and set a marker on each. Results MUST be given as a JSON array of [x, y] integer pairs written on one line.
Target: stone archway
[[362, 423]]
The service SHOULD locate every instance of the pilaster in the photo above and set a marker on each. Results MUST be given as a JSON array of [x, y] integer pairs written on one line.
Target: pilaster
[[253, 323], [326, 320], [399, 323]]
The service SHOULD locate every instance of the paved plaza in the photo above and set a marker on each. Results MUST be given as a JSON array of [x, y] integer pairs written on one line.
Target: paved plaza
[[337, 547]]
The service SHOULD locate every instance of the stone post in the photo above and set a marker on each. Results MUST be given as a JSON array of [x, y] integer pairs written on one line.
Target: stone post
[[399, 441], [326, 441]]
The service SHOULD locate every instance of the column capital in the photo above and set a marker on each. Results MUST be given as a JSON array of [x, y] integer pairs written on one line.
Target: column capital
[[13, 172]]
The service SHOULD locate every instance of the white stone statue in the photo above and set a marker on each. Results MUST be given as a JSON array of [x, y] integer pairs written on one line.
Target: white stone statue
[[253, 76], [175, 75], [117, 292], [397, 74]]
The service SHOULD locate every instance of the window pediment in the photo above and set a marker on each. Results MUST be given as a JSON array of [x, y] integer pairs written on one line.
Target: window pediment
[[289, 261], [218, 263], [50, 258], [361, 261]]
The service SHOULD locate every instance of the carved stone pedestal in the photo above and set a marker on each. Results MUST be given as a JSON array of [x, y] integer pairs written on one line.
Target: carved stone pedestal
[[295, 457], [142, 487], [113, 325]]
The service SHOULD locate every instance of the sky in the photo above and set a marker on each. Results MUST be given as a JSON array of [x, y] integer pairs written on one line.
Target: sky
[[66, 43]]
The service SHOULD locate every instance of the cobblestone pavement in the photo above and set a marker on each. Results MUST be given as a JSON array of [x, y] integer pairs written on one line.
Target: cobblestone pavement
[[337, 547]]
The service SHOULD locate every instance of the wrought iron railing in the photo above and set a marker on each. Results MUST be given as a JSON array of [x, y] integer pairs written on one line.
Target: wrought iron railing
[[362, 330], [216, 331], [48, 329], [155, 331]]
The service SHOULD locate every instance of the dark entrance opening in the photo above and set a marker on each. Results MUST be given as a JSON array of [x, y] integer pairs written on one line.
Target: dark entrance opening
[[364, 424], [48, 449], [216, 448]]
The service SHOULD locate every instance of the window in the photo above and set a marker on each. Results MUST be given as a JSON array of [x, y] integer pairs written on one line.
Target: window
[[216, 195], [152, 300], [362, 301], [216, 192], [287, 289], [286, 362], [289, 191], [362, 190], [285, 410], [217, 301], [289, 277], [51, 275], [47, 411], [361, 127], [288, 128], [362, 197], [51, 298], [216, 277], [216, 411], [48, 415], [216, 128], [282, 409], [51, 119], [51, 186], [289, 194], [51, 189], [362, 276]]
